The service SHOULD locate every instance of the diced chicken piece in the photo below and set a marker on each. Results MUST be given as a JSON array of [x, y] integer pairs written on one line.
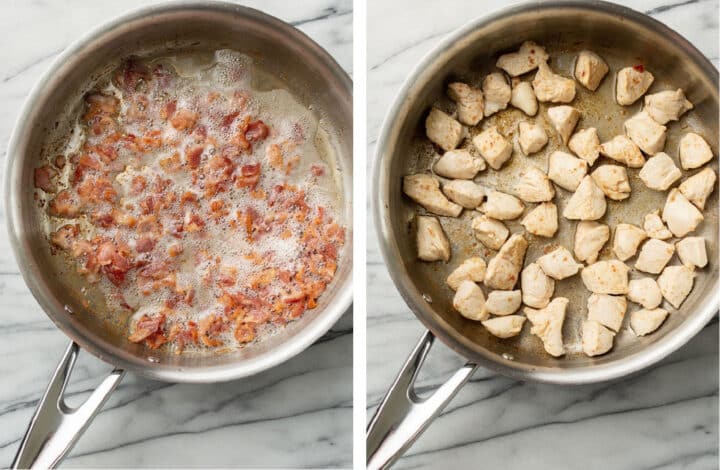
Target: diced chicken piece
[[566, 171], [588, 202], [502, 206], [494, 148], [675, 283], [443, 130], [490, 232], [559, 264], [590, 69], [691, 251], [542, 220], [699, 186], [621, 149], [432, 243], [645, 292], [680, 215], [564, 119], [505, 327], [643, 322], [654, 226], [537, 287], [660, 172], [646, 133], [533, 185], [632, 83], [458, 164], [469, 300], [694, 151], [613, 181], [503, 270], [469, 101], [532, 137], [472, 269], [667, 105], [425, 190], [590, 237], [503, 302], [627, 239], [585, 143], [497, 93], [606, 277], [524, 60], [523, 97], [547, 325], [654, 255], [608, 310], [464, 192], [553, 88], [596, 339]]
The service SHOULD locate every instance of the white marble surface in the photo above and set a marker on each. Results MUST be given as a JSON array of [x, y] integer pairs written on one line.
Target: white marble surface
[[665, 418], [298, 414]]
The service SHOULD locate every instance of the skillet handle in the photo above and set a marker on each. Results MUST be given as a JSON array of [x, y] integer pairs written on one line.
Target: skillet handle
[[55, 427], [402, 415]]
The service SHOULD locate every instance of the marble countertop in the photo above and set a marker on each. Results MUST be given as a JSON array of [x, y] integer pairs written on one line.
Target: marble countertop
[[666, 417], [298, 414]]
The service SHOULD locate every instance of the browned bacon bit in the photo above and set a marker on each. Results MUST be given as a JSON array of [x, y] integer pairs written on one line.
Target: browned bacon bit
[[274, 156], [147, 326], [43, 178], [144, 245], [65, 236], [167, 111], [229, 118], [209, 326], [249, 175], [256, 131], [183, 119], [64, 206], [192, 156], [317, 170], [245, 332], [131, 75], [639, 67], [60, 162]]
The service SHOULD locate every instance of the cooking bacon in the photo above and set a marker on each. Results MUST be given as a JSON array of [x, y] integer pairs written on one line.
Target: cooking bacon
[[43, 178], [256, 131], [65, 236], [147, 326], [183, 119]]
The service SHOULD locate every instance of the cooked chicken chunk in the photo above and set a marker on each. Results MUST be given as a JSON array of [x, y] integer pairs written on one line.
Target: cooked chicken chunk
[[565, 170], [542, 220], [646, 133], [667, 105], [443, 130], [606, 277], [432, 244], [608, 310], [699, 186], [550, 87], [654, 255], [458, 164], [613, 181], [590, 237], [494, 148], [590, 69], [680, 215], [503, 302], [469, 300], [523, 97], [621, 149], [564, 119], [660, 172], [497, 93], [532, 137], [469, 101], [472, 269], [675, 283], [654, 226], [694, 151], [533, 185], [502, 206], [524, 60], [643, 322], [645, 292], [588, 202], [505, 327], [504, 269], [537, 287], [464, 192], [691, 251], [585, 143], [559, 264], [490, 232], [547, 324], [627, 240], [596, 339], [425, 190], [632, 83]]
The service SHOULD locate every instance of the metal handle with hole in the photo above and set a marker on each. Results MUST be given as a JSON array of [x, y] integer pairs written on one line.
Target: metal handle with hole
[[402, 415], [55, 427]]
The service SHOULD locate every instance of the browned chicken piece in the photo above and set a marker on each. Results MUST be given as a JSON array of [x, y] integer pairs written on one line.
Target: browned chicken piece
[[547, 324], [632, 83], [497, 93], [585, 143], [469, 101], [606, 277], [531, 137], [553, 88], [472, 269], [660, 172], [490, 232], [667, 105], [564, 119], [590, 237], [628, 238], [646, 133], [588, 202], [596, 339], [493, 147], [432, 243], [425, 190], [675, 283], [621, 149], [523, 97], [542, 220], [590, 69], [566, 170], [613, 181], [694, 151], [458, 164], [698, 187], [680, 215], [443, 130], [524, 60], [503, 270]]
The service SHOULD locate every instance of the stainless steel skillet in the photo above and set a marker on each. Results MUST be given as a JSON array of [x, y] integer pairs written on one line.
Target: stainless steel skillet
[[624, 38], [279, 50]]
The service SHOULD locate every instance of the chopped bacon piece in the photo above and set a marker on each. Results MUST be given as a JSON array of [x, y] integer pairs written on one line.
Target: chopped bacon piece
[[192, 156], [64, 206], [147, 326], [43, 178], [229, 118], [155, 270], [131, 75], [256, 131], [274, 156], [144, 245], [209, 326], [60, 162], [245, 332], [250, 175], [167, 111], [183, 119], [317, 170], [65, 236]]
